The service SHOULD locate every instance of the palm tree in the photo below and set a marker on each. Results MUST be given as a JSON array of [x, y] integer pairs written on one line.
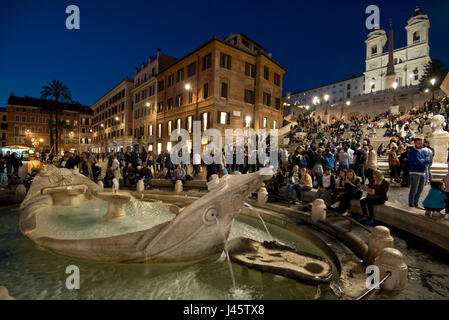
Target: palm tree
[[59, 92]]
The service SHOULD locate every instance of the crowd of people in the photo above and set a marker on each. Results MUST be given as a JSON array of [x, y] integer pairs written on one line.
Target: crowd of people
[[338, 159]]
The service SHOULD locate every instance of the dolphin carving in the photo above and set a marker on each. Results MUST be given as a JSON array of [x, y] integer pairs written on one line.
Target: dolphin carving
[[194, 234]]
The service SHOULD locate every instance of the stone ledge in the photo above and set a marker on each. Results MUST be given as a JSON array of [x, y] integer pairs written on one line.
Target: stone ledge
[[412, 221]]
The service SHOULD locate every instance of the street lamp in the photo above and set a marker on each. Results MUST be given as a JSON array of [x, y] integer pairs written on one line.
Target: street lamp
[[395, 86], [326, 98], [433, 81], [348, 103]]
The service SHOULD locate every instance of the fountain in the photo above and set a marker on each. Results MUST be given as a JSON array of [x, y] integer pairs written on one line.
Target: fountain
[[115, 201], [192, 235]]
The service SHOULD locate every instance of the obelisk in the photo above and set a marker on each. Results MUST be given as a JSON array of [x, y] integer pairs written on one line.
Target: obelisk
[[390, 77]]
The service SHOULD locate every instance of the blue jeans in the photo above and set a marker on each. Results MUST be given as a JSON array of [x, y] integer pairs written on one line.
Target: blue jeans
[[289, 191], [416, 187]]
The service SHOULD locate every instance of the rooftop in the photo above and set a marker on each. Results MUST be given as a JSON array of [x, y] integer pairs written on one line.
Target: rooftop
[[43, 103]]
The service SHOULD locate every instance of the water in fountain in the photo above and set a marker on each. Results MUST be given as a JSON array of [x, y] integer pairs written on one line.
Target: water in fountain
[[260, 217], [226, 252]]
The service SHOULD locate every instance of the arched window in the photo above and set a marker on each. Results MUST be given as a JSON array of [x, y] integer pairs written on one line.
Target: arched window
[[373, 50], [416, 36]]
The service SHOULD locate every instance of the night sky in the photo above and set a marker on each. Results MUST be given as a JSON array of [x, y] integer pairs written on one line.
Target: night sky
[[319, 42]]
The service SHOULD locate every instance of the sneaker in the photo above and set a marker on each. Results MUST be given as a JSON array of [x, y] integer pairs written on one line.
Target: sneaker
[[419, 207]]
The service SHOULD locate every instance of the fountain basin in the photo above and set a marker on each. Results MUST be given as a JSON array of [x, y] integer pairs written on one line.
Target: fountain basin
[[70, 195]]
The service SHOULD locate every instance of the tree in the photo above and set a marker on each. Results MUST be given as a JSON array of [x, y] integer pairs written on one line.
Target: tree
[[433, 70], [59, 92]]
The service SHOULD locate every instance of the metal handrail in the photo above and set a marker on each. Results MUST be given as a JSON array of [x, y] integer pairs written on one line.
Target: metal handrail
[[388, 274]]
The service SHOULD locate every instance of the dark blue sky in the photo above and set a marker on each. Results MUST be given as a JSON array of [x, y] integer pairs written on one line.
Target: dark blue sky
[[317, 41]]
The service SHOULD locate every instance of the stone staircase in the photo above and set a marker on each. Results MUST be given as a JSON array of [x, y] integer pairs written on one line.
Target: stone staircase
[[438, 170]]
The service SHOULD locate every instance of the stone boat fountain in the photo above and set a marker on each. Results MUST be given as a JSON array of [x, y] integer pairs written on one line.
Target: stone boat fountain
[[195, 233]]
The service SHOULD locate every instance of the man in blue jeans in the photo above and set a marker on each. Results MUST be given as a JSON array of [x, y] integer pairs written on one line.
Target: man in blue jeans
[[418, 161]]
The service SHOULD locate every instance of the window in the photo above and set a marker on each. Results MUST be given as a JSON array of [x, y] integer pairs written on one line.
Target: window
[[225, 61], [151, 93], [275, 124], [267, 99], [277, 79], [250, 70], [190, 96], [207, 61], [247, 122], [159, 130], [179, 100], [180, 74], [171, 80], [160, 106], [160, 86], [150, 130], [169, 127], [349, 86], [264, 122], [373, 50], [169, 103], [277, 103], [266, 73], [178, 124], [136, 98], [191, 69], [224, 90], [204, 120], [224, 117], [189, 124], [249, 96], [205, 91], [245, 43], [416, 36]]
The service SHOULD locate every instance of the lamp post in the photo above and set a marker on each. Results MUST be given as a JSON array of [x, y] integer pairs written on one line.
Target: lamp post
[[433, 81], [395, 86]]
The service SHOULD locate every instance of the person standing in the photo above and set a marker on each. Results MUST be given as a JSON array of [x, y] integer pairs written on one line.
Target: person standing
[[371, 164], [417, 160]]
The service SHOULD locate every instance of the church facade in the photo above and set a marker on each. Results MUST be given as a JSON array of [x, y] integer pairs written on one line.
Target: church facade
[[409, 64], [409, 61]]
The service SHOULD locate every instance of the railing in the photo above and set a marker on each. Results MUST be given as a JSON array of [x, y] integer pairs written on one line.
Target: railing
[[372, 289]]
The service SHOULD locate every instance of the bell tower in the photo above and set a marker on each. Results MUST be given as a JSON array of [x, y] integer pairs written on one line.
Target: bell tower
[[418, 28]]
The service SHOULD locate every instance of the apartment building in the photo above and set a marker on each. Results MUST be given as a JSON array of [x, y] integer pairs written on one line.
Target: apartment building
[[144, 105], [112, 119], [28, 120], [3, 126], [226, 83]]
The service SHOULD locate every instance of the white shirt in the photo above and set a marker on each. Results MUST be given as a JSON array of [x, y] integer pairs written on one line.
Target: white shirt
[[196, 158]]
